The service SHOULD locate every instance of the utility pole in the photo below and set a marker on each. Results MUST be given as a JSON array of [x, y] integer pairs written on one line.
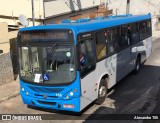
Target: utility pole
[[116, 11], [149, 3], [33, 18], [128, 7]]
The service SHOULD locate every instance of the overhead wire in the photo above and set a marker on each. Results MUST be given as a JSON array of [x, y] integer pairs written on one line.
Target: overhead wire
[[153, 5]]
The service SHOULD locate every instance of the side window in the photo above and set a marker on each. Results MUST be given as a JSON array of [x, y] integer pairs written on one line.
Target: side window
[[149, 31], [101, 45], [142, 31], [145, 29], [125, 36], [113, 39], [86, 53], [134, 35]]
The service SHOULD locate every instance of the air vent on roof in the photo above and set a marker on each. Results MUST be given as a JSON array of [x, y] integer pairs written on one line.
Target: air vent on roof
[[68, 21], [76, 21], [111, 17], [99, 18], [83, 20]]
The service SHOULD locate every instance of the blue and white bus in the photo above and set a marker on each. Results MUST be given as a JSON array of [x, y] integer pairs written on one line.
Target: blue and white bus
[[67, 66]]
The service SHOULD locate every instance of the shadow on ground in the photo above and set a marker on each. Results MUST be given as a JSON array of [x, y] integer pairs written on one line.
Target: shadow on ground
[[133, 95]]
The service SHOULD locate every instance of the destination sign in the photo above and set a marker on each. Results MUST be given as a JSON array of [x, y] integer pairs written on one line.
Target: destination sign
[[43, 36]]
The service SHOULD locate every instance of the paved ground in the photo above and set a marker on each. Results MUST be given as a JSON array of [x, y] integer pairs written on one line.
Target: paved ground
[[135, 94], [9, 90]]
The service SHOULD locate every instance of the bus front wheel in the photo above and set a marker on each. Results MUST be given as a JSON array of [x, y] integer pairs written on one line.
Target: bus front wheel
[[102, 92]]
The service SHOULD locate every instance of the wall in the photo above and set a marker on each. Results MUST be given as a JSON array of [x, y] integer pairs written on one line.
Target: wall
[[137, 7], [65, 6], [3, 32], [6, 70], [14, 8], [58, 19], [5, 36]]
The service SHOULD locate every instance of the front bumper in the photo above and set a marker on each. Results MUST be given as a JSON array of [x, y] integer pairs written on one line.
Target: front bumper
[[58, 104]]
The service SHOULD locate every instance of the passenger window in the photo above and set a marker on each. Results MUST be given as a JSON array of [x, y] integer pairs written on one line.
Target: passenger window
[[125, 36], [113, 38], [101, 44], [134, 37], [145, 29], [149, 32], [86, 53], [142, 31]]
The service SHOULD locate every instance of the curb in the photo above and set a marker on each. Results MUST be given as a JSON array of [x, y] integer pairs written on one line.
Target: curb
[[9, 96]]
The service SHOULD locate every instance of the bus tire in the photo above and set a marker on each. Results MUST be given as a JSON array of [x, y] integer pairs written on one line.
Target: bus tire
[[102, 91], [137, 67]]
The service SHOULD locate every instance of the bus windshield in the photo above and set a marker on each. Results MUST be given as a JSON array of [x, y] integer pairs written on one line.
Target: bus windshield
[[47, 64]]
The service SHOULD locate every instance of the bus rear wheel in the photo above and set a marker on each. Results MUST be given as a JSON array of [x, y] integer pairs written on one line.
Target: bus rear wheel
[[102, 92], [137, 67]]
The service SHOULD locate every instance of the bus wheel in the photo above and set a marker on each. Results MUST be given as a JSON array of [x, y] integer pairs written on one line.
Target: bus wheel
[[102, 92], [137, 67]]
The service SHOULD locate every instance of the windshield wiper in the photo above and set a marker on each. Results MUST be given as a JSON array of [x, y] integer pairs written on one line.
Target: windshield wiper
[[53, 49]]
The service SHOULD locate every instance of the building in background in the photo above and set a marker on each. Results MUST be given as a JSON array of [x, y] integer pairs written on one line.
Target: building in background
[[53, 11], [137, 7], [9, 23], [10, 10], [57, 10]]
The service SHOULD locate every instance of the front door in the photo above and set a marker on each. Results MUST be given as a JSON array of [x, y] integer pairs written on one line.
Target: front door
[[13, 53], [88, 73]]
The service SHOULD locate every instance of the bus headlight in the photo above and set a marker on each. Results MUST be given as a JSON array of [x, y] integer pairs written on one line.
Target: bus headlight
[[22, 89], [70, 94], [67, 97], [26, 92]]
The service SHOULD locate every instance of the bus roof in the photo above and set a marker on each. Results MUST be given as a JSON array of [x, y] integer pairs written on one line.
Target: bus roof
[[91, 25]]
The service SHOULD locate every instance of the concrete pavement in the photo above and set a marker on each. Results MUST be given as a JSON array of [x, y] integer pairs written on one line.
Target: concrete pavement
[[9, 90]]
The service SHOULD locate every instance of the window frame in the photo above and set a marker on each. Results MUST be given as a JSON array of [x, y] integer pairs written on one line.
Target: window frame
[[145, 29], [79, 40], [106, 45]]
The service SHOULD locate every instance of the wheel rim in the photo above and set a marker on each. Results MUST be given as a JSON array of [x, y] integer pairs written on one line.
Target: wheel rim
[[102, 91], [137, 66]]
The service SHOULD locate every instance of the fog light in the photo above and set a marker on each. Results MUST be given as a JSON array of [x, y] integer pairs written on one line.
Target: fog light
[[27, 93], [22, 89], [67, 97]]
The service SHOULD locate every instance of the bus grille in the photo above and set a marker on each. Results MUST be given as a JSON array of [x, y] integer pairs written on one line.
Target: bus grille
[[39, 95], [46, 103], [45, 90]]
